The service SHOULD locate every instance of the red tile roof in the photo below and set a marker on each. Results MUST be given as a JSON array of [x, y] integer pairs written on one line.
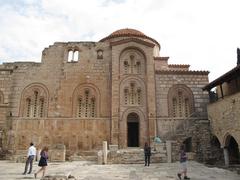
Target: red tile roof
[[127, 32]]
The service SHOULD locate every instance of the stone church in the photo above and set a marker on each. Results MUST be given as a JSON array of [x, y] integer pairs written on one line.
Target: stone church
[[119, 89]]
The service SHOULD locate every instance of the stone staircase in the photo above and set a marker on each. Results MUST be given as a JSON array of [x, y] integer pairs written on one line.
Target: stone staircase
[[136, 155]]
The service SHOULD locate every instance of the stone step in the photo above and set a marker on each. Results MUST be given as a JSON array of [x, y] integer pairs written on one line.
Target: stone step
[[83, 158], [135, 156]]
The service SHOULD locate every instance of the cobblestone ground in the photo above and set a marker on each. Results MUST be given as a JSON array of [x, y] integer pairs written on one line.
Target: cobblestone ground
[[83, 170]]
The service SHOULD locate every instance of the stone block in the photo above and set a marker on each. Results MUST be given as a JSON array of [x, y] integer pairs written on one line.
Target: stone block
[[113, 147], [58, 153]]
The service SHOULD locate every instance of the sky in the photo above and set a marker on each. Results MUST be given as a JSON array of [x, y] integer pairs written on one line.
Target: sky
[[202, 33]]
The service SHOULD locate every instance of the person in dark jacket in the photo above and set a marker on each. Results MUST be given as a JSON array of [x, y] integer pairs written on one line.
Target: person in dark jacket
[[147, 154], [42, 162], [183, 163]]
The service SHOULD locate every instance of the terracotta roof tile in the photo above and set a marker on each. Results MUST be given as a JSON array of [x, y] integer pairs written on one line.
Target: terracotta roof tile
[[127, 32]]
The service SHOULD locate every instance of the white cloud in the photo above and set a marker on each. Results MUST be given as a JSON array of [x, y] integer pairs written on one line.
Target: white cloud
[[204, 34]]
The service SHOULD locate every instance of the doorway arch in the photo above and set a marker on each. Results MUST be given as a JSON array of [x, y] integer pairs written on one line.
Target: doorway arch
[[233, 150], [133, 130]]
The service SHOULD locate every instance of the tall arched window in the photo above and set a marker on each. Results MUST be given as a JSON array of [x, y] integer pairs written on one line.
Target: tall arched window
[[132, 94], [73, 55], [126, 67], [34, 102], [126, 96], [28, 104], [70, 56], [132, 62], [80, 104], [180, 101], [86, 103]]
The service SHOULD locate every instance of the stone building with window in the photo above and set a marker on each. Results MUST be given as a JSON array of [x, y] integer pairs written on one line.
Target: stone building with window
[[118, 90], [224, 116]]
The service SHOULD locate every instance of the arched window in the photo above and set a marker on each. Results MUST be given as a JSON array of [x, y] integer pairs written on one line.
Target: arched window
[[34, 102], [80, 104], [92, 105], [35, 105], [174, 107], [132, 62], [70, 56], [86, 103], [180, 101], [132, 94], [100, 54], [73, 55], [139, 96], [41, 107], [126, 67], [28, 102], [126, 94]]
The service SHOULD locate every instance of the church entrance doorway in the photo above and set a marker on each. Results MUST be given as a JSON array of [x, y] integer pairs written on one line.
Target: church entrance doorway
[[133, 130]]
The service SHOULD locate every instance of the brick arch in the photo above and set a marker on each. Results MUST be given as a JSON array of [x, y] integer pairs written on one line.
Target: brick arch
[[136, 61], [142, 126], [28, 93], [186, 94], [139, 84], [80, 91], [226, 138]]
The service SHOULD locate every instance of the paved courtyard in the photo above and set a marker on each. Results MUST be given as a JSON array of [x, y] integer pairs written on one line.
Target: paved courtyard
[[83, 170]]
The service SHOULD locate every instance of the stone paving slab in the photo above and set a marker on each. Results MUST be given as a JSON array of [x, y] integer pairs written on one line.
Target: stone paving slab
[[83, 170]]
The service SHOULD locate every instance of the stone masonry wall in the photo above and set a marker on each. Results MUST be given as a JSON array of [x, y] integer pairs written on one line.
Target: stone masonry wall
[[61, 78], [196, 126], [224, 117]]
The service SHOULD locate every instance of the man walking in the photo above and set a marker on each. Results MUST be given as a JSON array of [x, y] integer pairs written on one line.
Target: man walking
[[30, 157], [183, 164]]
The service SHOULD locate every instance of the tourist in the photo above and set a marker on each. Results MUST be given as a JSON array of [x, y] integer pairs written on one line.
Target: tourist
[[42, 162], [30, 157], [147, 154], [183, 164]]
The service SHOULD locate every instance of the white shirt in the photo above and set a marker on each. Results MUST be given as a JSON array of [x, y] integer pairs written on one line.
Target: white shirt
[[31, 151]]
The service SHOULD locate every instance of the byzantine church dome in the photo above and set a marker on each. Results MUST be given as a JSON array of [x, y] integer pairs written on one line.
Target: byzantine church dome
[[127, 33]]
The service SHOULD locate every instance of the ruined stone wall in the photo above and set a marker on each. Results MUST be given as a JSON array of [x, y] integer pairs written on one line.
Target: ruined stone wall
[[5, 88], [60, 79], [76, 134], [224, 117]]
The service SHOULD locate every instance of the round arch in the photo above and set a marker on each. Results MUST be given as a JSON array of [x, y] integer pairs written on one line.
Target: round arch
[[79, 90], [27, 92], [232, 146], [186, 93], [130, 57], [123, 126]]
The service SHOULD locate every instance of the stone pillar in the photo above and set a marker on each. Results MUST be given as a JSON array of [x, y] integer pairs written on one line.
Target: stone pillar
[[226, 156], [104, 152], [114, 130], [169, 151]]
